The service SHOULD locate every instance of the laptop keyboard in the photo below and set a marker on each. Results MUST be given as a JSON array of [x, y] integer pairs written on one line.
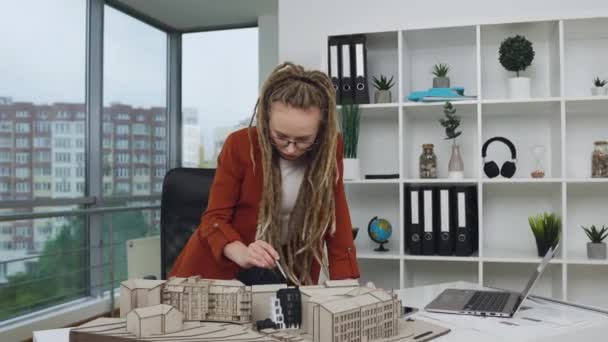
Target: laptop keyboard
[[487, 301]]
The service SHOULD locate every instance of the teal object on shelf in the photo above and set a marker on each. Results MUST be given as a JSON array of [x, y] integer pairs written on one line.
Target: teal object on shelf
[[379, 230], [439, 94]]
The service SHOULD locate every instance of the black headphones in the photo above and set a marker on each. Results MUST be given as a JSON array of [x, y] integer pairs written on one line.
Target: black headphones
[[508, 168]]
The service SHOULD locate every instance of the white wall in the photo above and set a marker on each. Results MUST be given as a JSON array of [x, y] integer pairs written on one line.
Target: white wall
[[304, 25], [268, 26]]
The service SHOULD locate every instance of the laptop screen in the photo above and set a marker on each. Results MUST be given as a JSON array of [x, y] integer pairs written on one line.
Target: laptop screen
[[537, 273]]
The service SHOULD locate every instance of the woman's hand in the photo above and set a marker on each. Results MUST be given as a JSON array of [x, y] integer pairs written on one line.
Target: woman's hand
[[258, 253]]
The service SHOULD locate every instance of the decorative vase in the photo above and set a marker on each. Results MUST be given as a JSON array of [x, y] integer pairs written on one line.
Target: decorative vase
[[596, 250], [441, 82], [519, 87], [383, 96], [456, 166], [351, 169], [599, 91]]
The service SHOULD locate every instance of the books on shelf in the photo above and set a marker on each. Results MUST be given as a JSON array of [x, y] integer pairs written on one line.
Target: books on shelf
[[440, 94]]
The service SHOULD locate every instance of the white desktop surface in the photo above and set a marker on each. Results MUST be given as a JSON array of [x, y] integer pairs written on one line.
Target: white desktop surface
[[559, 323], [539, 320]]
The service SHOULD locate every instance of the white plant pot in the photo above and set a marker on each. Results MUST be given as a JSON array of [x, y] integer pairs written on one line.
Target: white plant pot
[[599, 91], [519, 87], [351, 169]]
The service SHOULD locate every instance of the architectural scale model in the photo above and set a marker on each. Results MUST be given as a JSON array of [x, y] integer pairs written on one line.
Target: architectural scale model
[[195, 309]]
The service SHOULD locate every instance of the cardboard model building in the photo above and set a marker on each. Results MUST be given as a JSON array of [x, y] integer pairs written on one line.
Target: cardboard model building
[[154, 320], [334, 311]]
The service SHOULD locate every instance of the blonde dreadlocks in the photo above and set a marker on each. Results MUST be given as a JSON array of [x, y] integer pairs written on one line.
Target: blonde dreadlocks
[[314, 211]]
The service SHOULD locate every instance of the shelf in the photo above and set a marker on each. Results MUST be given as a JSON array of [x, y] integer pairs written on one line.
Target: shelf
[[474, 258], [377, 255], [544, 70], [379, 131], [522, 101], [439, 105], [586, 123], [587, 180], [370, 200], [422, 49], [506, 208], [586, 205], [375, 106], [521, 180], [525, 125], [581, 99], [373, 181], [585, 51], [421, 126], [587, 285], [468, 181], [424, 272], [383, 273], [583, 260], [515, 276], [523, 260]]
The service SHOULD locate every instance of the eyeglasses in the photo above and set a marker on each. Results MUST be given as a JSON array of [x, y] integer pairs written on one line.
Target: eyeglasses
[[283, 143]]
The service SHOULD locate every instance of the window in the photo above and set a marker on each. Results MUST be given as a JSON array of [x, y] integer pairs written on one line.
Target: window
[[79, 127], [22, 187], [122, 144], [22, 157], [6, 126], [141, 129], [204, 131], [3, 187], [122, 172], [107, 143], [22, 127], [122, 158], [63, 172], [62, 186], [159, 131], [62, 128], [159, 118], [6, 142], [22, 143], [159, 159], [159, 172], [41, 142], [43, 127], [22, 172], [42, 171], [63, 142], [5, 156], [42, 186], [79, 143], [140, 144], [62, 157], [22, 114], [5, 171], [159, 145], [107, 128], [80, 187], [80, 157], [80, 171], [122, 129]]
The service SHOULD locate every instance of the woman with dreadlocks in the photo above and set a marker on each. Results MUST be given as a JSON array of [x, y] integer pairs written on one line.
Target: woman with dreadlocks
[[278, 195]]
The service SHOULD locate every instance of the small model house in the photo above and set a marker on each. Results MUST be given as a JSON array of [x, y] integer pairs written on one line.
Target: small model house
[[154, 320], [209, 300], [139, 293]]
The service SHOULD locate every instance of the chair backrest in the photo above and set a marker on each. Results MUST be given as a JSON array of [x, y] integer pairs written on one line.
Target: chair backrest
[[184, 199]]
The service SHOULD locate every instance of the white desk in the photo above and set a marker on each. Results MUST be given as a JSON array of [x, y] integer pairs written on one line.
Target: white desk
[[558, 323], [538, 320]]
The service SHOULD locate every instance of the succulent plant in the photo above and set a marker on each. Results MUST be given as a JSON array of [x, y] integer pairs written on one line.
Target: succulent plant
[[441, 70], [595, 234], [599, 83], [383, 83]]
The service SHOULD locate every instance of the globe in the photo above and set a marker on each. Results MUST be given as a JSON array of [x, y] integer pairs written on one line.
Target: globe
[[379, 230]]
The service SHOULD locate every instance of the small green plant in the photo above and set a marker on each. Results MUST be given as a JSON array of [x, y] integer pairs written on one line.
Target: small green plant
[[441, 70], [516, 53], [546, 228], [595, 234], [383, 83], [599, 83], [349, 124], [450, 122]]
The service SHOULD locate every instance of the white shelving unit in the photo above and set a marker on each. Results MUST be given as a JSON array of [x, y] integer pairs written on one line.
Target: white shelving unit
[[561, 115]]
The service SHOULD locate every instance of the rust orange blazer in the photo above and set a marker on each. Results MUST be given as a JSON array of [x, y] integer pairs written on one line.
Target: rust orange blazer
[[232, 215]]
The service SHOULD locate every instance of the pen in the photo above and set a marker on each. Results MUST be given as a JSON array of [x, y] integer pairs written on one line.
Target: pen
[[281, 270], [422, 335]]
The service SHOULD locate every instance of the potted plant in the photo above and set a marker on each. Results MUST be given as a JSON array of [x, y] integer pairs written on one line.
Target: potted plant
[[349, 124], [441, 79], [516, 54], [546, 228], [596, 249], [451, 123], [383, 89], [598, 88]]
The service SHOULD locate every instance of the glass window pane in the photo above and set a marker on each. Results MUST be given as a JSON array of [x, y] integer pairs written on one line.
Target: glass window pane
[[134, 114], [43, 262], [42, 109], [219, 89]]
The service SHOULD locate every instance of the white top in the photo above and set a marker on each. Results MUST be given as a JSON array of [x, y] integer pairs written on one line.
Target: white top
[[292, 173]]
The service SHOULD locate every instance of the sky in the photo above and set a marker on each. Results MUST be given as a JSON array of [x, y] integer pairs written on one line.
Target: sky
[[42, 60]]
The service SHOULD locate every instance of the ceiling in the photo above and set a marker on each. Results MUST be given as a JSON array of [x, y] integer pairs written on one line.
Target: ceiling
[[198, 15]]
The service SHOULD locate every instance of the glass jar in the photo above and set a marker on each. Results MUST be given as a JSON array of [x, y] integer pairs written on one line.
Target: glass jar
[[538, 154], [428, 162], [599, 159]]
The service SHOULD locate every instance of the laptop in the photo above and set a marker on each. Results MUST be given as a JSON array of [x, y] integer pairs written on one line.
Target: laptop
[[487, 303]]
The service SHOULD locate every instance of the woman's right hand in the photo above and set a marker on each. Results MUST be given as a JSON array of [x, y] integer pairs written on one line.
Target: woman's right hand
[[258, 253]]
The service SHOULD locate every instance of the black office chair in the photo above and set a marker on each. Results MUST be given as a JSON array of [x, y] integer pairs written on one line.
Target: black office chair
[[184, 199]]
